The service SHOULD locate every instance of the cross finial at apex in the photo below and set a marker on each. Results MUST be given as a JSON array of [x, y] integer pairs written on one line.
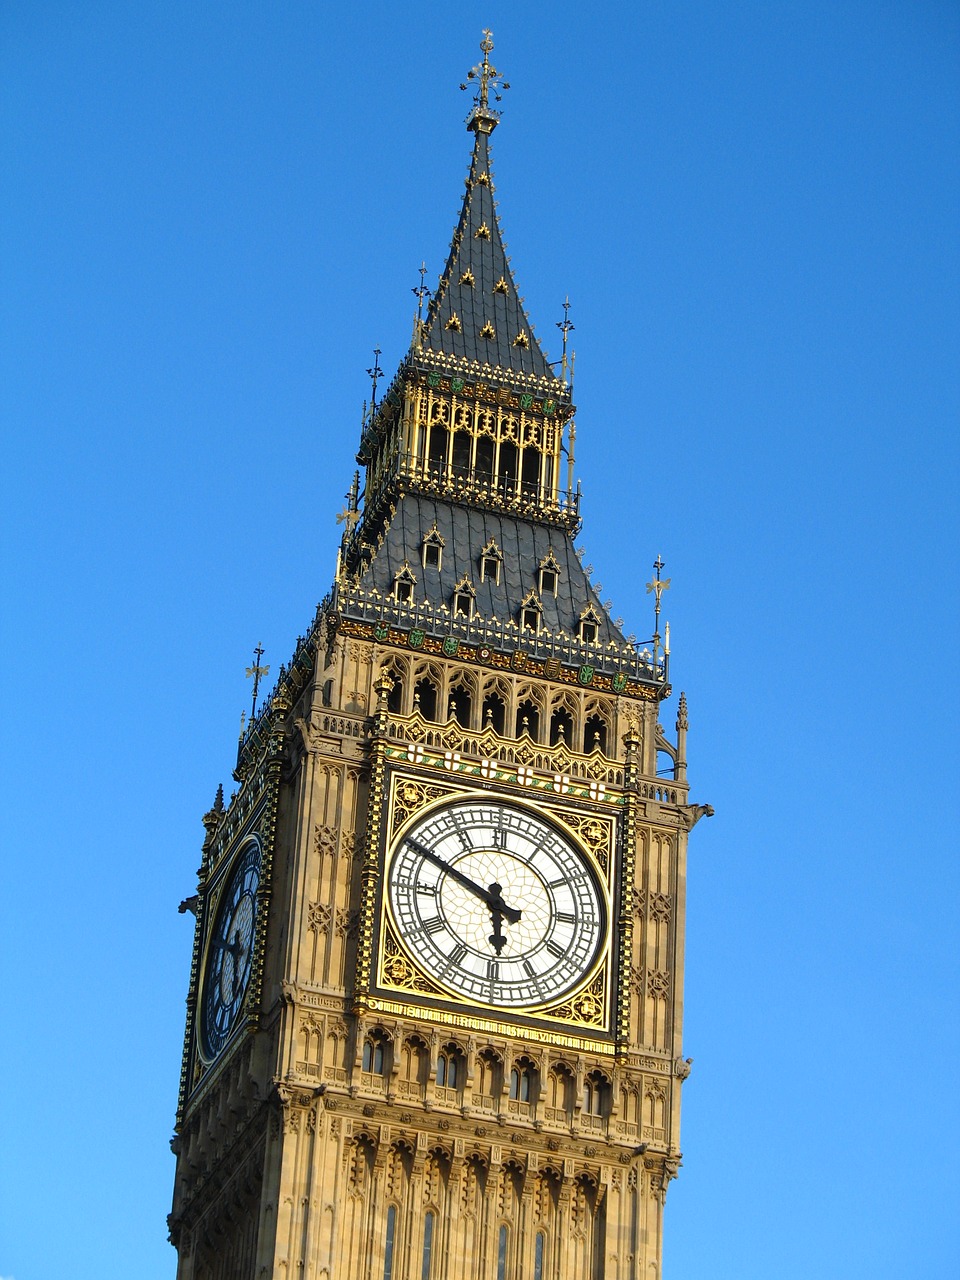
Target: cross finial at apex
[[489, 78]]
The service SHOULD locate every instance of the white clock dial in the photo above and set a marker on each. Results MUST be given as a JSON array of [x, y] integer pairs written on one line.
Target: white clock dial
[[496, 904]]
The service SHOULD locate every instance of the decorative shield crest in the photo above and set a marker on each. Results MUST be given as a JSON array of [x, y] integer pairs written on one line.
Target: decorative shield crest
[[585, 674], [415, 638], [552, 668], [619, 682], [380, 631], [484, 654], [549, 407], [526, 402], [518, 660], [433, 380], [451, 646]]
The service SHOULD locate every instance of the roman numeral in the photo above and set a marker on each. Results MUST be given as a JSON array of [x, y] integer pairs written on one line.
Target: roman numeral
[[555, 950], [566, 917], [433, 925]]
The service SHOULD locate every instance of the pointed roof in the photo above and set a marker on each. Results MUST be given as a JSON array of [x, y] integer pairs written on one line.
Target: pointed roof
[[476, 313]]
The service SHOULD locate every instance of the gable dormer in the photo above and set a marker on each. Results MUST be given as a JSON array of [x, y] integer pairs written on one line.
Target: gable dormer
[[548, 574], [491, 560]]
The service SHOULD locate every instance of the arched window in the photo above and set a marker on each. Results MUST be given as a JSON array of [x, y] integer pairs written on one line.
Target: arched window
[[425, 698], [595, 1093], [528, 719], [561, 727], [395, 696], [374, 1057], [538, 1257], [461, 706], [428, 1221], [388, 1244], [502, 1254], [595, 734], [494, 713], [521, 1082], [449, 1068]]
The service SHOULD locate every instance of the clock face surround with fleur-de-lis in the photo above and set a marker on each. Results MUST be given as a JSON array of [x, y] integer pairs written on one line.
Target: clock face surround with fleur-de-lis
[[230, 952], [496, 903]]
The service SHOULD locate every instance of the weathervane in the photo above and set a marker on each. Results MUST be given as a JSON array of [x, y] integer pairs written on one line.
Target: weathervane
[[658, 586], [256, 671], [565, 326], [488, 76]]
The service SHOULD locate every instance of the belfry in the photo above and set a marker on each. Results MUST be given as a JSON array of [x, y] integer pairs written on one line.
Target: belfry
[[434, 1012]]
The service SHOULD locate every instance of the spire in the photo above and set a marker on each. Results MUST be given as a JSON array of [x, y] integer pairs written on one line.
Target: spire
[[476, 313]]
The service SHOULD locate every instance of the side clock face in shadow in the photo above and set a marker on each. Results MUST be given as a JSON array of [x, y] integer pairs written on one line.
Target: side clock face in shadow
[[230, 952], [496, 904]]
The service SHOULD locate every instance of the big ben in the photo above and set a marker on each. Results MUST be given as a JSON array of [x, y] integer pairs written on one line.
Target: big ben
[[435, 1001]]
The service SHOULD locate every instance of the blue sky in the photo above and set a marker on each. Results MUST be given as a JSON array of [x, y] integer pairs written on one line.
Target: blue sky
[[210, 216]]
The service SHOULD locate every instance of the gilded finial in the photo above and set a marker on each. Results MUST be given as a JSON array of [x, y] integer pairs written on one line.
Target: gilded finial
[[566, 327], [421, 291], [483, 118], [658, 586], [376, 373]]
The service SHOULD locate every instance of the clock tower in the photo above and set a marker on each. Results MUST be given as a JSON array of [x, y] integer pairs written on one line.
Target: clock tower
[[434, 1014]]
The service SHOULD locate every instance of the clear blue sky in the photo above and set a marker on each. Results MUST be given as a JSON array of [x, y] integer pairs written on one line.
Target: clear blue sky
[[211, 213]]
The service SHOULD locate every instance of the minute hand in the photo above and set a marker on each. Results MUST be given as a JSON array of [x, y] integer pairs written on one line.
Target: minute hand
[[493, 900]]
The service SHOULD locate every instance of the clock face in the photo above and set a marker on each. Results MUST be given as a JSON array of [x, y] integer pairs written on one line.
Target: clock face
[[230, 953], [496, 904]]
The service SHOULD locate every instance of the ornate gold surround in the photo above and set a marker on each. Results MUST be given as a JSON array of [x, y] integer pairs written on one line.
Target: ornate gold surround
[[402, 986]]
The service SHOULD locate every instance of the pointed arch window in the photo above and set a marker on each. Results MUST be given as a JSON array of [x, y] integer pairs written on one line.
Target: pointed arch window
[[429, 1219], [374, 1059], [502, 1254], [389, 1242]]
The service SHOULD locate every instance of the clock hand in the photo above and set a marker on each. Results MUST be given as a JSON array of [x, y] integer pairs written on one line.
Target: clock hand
[[492, 896]]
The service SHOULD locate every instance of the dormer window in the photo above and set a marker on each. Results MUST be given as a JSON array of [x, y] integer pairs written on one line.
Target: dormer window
[[463, 598], [549, 574], [589, 625], [403, 585], [531, 613], [491, 558], [432, 550]]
